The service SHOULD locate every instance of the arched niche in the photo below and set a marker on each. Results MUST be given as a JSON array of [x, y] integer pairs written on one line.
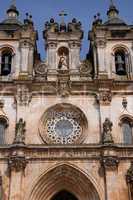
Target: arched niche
[[63, 58], [64, 178], [6, 56], [126, 124], [122, 65], [63, 124]]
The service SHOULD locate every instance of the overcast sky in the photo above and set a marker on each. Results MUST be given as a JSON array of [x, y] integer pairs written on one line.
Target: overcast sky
[[83, 10]]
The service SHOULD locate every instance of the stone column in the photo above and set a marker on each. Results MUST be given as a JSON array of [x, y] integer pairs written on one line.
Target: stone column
[[74, 55], [17, 163], [52, 55], [24, 49], [129, 180], [31, 60], [101, 45], [110, 165], [0, 61]]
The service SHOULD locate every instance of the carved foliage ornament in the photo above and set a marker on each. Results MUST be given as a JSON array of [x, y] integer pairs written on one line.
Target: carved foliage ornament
[[101, 43], [104, 98], [110, 162], [17, 163]]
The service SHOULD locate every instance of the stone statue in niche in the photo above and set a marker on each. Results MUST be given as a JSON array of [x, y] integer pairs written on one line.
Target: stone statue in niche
[[20, 132], [107, 128], [63, 58], [63, 65]]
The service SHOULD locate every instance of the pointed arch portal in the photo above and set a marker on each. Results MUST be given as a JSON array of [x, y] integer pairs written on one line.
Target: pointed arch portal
[[64, 195], [65, 181]]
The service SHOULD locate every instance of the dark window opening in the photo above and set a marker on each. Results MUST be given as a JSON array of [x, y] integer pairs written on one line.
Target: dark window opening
[[127, 132], [3, 126], [120, 63], [6, 63]]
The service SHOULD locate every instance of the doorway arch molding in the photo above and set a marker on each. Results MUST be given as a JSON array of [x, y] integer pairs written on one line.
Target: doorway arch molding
[[68, 177]]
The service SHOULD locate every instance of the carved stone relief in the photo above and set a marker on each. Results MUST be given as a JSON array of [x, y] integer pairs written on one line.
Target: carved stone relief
[[23, 96], [110, 162], [20, 132], [41, 71], [107, 129], [104, 97], [17, 162]]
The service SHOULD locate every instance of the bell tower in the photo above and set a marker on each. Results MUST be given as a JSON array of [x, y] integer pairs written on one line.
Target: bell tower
[[111, 43], [62, 44], [17, 45]]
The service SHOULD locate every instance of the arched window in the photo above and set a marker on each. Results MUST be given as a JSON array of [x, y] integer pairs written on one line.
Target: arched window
[[6, 62], [120, 62], [3, 126], [127, 131]]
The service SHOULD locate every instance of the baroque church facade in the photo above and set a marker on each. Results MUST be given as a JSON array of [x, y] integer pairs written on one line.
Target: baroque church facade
[[66, 124]]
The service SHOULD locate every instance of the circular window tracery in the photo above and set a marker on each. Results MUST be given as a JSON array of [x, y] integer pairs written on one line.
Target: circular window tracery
[[63, 128], [62, 125]]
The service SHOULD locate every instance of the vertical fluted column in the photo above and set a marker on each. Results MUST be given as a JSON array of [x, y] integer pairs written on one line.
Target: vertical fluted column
[[110, 165], [17, 163], [129, 180]]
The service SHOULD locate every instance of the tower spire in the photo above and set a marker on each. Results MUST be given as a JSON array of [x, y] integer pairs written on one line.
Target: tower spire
[[113, 11], [12, 11], [111, 2], [13, 2]]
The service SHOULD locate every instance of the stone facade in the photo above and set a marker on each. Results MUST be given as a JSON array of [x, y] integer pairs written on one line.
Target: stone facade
[[66, 123]]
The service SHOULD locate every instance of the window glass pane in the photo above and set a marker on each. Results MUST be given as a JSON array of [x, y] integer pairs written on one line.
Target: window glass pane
[[127, 133], [6, 64], [2, 133]]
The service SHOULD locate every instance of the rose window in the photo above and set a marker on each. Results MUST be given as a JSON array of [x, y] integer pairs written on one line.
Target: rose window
[[63, 125], [63, 129]]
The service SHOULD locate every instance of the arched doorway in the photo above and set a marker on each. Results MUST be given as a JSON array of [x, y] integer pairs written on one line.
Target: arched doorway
[[64, 195], [64, 178]]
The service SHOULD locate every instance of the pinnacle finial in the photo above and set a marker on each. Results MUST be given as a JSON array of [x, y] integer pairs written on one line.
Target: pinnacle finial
[[111, 2], [13, 2], [113, 11]]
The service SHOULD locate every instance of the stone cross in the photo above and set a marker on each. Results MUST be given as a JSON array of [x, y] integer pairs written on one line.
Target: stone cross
[[62, 14]]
